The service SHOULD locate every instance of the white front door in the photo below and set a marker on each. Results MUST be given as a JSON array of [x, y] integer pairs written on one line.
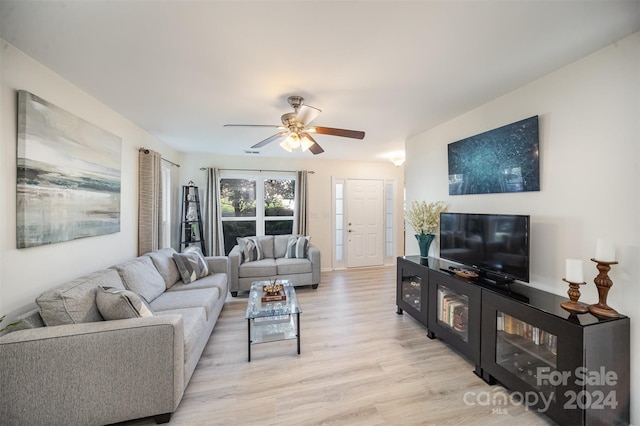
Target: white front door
[[365, 226]]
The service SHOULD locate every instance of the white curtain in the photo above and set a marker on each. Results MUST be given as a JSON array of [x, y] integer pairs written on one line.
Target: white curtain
[[301, 202], [213, 236], [149, 201]]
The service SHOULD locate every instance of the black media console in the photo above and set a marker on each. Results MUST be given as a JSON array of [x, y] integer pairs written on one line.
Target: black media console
[[573, 368]]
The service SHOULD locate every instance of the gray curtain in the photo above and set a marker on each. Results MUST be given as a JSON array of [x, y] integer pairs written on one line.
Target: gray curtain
[[213, 237], [149, 201], [301, 202]]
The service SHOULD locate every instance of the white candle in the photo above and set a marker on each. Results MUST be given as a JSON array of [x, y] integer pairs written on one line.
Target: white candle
[[574, 271], [605, 251]]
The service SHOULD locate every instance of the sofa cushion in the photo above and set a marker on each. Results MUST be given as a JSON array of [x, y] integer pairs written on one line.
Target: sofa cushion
[[140, 276], [116, 303], [259, 268], [166, 266], [218, 280], [280, 245], [75, 301], [194, 323], [287, 266], [191, 265], [204, 298], [297, 247], [267, 246]]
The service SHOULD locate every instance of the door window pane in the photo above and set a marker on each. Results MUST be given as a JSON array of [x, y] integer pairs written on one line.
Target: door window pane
[[389, 220], [339, 202], [238, 197]]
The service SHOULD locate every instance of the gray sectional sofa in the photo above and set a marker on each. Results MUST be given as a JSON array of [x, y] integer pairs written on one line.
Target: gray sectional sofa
[[66, 365], [302, 270]]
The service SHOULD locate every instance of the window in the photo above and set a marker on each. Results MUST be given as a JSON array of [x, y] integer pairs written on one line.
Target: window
[[166, 206], [339, 221], [256, 203], [388, 216], [279, 201]]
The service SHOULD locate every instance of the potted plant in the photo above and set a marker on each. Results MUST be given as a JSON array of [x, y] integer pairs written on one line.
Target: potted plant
[[424, 218], [3, 328]]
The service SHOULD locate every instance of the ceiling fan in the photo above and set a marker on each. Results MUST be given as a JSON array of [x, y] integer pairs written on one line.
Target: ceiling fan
[[295, 126]]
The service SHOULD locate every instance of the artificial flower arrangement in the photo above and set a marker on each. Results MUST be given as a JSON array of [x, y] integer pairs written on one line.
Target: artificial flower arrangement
[[424, 217]]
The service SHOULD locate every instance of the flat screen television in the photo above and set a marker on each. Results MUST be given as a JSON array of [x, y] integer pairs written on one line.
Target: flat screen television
[[496, 245]]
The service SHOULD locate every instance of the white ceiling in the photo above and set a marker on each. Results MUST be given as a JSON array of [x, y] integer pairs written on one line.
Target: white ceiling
[[182, 69]]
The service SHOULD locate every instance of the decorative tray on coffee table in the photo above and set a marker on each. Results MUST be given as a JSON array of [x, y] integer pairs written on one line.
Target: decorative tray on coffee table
[[273, 293]]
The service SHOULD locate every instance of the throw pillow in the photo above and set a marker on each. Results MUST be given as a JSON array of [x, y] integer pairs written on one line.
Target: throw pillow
[[141, 276], [74, 302], [166, 266], [297, 247], [192, 265], [251, 248], [115, 304]]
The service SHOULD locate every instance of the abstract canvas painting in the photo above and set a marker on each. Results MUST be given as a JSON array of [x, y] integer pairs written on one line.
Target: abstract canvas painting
[[505, 159], [68, 177]]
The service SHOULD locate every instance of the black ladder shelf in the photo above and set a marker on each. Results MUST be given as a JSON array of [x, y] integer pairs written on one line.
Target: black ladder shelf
[[192, 232]]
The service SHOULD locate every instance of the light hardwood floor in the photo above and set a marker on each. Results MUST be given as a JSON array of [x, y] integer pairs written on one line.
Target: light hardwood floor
[[361, 364]]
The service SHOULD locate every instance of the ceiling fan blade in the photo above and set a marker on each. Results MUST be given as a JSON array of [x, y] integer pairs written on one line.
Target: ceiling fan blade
[[306, 114], [269, 139], [254, 125], [314, 148], [355, 134]]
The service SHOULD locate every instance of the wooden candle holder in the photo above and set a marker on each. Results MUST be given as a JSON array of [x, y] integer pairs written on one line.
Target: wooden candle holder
[[603, 283], [572, 304]]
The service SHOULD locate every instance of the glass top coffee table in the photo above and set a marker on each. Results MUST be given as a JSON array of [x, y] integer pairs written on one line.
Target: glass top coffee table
[[272, 313]]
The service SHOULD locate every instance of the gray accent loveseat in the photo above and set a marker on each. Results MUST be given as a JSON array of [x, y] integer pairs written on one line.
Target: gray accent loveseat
[[300, 272], [94, 372]]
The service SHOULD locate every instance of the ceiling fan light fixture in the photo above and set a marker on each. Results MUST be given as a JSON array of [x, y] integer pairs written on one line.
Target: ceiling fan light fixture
[[285, 145], [293, 140]]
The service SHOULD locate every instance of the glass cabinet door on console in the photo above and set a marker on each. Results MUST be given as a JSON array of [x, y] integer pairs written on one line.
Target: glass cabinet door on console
[[413, 287], [558, 362], [412, 291], [454, 313], [528, 352]]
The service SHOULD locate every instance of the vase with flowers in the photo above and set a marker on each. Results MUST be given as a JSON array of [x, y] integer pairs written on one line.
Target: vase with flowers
[[424, 218]]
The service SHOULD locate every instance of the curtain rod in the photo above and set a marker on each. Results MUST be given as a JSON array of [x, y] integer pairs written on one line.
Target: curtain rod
[[146, 151], [255, 170], [170, 162]]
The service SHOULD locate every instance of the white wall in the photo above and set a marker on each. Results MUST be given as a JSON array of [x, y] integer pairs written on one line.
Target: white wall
[[319, 186], [25, 273], [590, 183]]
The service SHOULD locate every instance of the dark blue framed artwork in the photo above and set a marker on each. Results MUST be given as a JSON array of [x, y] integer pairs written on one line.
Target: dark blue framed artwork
[[505, 159]]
